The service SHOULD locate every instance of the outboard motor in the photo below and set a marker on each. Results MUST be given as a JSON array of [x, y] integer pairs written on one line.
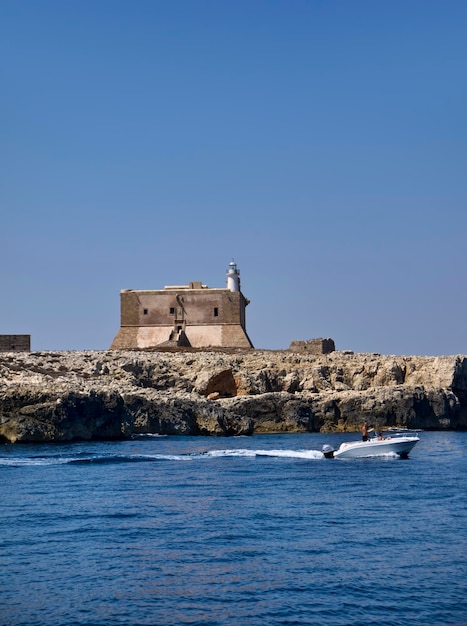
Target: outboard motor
[[328, 451]]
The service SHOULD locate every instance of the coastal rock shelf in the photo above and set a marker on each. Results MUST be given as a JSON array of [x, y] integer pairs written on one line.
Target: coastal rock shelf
[[66, 396]]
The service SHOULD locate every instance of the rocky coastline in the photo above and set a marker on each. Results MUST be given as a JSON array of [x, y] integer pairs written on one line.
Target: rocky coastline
[[103, 395]]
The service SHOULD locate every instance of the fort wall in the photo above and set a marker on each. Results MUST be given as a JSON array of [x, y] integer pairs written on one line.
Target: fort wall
[[196, 316]]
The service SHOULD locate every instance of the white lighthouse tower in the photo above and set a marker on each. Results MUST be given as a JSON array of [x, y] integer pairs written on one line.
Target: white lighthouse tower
[[233, 277]]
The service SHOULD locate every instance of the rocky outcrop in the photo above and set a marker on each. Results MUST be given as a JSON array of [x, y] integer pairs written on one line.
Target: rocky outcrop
[[66, 396]]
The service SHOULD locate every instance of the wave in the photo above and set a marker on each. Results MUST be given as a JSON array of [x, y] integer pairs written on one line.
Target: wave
[[93, 458], [147, 435]]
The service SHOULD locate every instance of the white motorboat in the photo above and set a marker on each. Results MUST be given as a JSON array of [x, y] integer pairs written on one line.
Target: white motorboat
[[399, 444]]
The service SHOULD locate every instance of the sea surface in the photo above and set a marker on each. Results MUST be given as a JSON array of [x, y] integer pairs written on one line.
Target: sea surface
[[250, 531]]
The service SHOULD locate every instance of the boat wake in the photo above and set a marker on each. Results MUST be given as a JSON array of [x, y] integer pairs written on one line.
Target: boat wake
[[94, 458]]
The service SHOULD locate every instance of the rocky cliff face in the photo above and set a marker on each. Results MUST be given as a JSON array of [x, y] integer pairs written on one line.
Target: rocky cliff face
[[65, 396]]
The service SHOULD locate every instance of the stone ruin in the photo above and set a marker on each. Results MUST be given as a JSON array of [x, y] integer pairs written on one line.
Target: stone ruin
[[15, 343], [313, 346]]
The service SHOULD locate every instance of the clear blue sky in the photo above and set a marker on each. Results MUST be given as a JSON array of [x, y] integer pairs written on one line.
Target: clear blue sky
[[320, 143]]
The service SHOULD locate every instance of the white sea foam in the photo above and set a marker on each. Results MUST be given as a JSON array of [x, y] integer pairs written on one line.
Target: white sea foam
[[292, 454], [224, 453], [34, 462], [147, 436]]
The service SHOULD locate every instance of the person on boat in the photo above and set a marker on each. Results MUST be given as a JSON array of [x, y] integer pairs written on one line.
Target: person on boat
[[365, 431]]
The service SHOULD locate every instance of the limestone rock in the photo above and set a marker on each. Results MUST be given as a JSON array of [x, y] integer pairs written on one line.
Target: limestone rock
[[66, 396]]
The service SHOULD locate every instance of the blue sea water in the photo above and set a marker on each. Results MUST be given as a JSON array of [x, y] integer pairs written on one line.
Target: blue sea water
[[245, 531]]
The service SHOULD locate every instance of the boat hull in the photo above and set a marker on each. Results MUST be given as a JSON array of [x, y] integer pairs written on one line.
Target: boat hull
[[400, 446]]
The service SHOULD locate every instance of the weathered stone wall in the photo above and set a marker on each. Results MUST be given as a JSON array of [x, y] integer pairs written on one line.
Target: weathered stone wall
[[60, 396], [208, 317], [15, 343], [313, 346], [195, 306]]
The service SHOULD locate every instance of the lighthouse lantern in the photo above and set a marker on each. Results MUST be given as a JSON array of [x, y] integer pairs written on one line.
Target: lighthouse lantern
[[233, 277]]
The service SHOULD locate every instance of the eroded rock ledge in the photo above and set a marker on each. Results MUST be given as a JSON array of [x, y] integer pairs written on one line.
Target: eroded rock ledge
[[66, 396]]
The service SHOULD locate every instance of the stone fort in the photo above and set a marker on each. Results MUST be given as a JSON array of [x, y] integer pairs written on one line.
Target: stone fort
[[192, 315]]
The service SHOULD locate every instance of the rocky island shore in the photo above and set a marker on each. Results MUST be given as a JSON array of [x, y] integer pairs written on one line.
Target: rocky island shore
[[66, 396]]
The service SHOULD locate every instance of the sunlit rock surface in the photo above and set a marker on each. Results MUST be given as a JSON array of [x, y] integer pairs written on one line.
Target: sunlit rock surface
[[65, 396]]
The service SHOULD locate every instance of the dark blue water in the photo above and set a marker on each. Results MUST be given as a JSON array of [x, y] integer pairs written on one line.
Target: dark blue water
[[260, 530]]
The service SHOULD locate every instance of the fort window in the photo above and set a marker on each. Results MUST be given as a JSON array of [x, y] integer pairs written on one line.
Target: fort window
[[172, 310], [145, 311], [216, 312]]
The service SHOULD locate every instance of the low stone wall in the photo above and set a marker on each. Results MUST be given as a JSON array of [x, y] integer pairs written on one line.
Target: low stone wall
[[15, 343], [313, 346]]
